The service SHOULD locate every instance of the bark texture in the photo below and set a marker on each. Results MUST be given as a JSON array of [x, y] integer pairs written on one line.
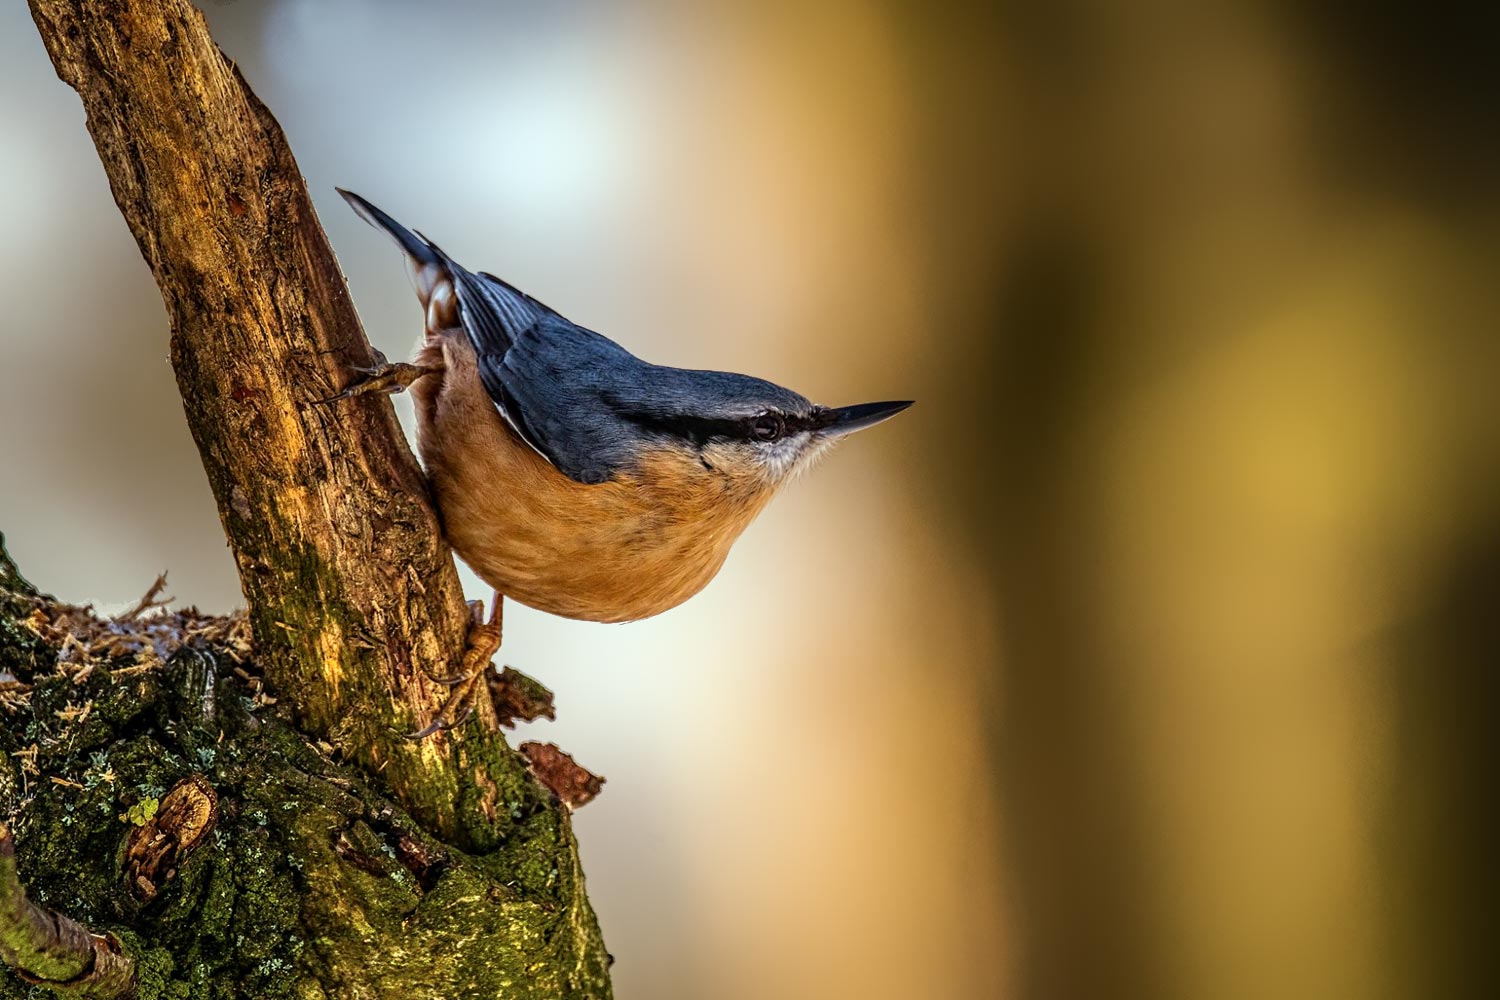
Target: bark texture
[[353, 597], [351, 591], [47, 948], [161, 800]]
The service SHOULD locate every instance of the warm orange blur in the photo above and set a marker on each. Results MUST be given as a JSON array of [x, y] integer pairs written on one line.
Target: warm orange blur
[[1147, 656]]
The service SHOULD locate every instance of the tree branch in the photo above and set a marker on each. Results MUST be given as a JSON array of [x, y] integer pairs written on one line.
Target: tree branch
[[353, 596], [48, 949]]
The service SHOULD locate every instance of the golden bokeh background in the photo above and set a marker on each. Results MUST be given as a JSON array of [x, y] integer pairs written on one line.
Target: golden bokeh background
[[1150, 655]]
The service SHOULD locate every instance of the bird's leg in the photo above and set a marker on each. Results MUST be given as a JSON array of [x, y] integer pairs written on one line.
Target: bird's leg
[[383, 377], [476, 625], [483, 643]]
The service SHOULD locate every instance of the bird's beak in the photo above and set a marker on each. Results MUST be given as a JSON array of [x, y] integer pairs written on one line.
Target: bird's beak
[[840, 420]]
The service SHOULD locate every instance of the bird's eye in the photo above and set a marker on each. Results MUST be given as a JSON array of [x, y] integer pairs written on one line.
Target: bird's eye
[[767, 427]]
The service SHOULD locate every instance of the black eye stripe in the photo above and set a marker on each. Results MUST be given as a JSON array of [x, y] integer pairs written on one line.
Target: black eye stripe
[[700, 430]]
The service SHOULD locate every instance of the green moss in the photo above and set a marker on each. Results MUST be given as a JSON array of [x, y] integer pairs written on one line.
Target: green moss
[[305, 595], [10, 576], [314, 885], [21, 650]]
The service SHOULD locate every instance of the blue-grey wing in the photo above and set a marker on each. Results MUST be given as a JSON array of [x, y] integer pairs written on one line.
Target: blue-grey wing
[[549, 377], [555, 386]]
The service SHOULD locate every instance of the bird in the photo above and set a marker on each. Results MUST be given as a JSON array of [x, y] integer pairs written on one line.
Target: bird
[[571, 475]]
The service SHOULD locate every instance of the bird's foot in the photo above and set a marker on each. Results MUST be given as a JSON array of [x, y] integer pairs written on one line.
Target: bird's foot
[[455, 711], [482, 644], [383, 377], [468, 683]]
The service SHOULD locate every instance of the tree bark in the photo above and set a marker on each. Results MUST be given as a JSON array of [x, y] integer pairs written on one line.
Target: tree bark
[[47, 948], [204, 848], [353, 598]]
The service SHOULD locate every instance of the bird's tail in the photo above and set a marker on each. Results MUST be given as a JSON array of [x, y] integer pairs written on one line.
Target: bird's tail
[[492, 312], [430, 269], [410, 243]]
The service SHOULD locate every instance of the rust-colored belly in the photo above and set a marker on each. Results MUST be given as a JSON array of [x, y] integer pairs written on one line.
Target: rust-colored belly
[[619, 551]]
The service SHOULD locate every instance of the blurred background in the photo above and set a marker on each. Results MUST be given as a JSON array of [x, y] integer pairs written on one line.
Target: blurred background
[[1151, 655]]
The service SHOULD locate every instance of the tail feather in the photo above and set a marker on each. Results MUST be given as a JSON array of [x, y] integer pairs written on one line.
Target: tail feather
[[414, 246], [492, 312]]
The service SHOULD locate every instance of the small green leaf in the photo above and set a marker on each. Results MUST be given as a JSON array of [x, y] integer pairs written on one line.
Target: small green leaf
[[140, 814]]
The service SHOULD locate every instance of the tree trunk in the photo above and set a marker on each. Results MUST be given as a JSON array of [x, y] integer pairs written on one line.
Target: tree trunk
[[345, 860]]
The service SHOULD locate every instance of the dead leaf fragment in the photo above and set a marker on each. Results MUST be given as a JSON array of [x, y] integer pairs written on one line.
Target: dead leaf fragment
[[517, 696], [573, 784]]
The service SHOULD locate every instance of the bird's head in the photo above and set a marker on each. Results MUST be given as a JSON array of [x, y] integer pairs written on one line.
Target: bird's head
[[745, 429]]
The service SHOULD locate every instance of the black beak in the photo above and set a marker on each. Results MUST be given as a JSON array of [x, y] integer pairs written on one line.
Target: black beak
[[837, 421]]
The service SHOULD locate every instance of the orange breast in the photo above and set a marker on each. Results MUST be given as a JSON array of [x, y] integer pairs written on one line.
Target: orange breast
[[618, 551]]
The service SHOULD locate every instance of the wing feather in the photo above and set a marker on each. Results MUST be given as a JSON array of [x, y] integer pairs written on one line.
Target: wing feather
[[544, 374]]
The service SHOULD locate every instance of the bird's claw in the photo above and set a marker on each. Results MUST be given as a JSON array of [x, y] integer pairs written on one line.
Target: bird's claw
[[382, 378], [483, 643], [441, 723]]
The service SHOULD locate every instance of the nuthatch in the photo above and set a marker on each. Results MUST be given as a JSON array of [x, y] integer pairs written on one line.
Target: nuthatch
[[571, 475]]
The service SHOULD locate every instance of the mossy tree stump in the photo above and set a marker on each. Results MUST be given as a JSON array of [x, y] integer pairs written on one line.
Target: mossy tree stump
[[158, 794], [341, 859]]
